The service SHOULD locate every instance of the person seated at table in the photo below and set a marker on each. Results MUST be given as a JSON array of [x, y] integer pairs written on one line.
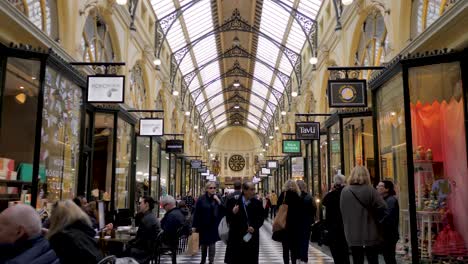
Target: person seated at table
[[21, 239], [142, 246], [172, 221], [71, 234]]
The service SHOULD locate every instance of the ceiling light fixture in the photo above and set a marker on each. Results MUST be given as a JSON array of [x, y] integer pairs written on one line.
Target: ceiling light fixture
[[32, 77], [195, 127], [347, 2], [294, 94], [276, 128], [200, 137], [20, 98], [175, 93], [157, 61], [236, 84], [187, 113], [313, 60], [266, 144], [236, 123], [21, 87], [236, 106], [271, 137], [236, 41], [121, 2], [283, 113]]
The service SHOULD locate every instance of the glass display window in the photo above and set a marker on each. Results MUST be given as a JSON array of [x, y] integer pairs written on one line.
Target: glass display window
[[440, 160], [335, 149], [392, 153], [325, 182], [18, 109], [142, 167], [122, 165], [60, 136], [155, 169], [358, 145]]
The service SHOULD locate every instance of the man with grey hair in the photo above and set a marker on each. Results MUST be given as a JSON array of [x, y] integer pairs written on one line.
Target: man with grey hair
[[21, 240], [170, 224], [334, 222]]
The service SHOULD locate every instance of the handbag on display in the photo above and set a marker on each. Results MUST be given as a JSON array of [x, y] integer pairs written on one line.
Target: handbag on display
[[193, 244], [223, 230], [279, 223]]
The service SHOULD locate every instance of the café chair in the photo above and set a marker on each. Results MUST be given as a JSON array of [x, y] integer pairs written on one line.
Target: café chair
[[108, 260]]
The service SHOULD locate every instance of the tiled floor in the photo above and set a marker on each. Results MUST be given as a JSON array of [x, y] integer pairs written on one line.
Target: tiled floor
[[270, 252]]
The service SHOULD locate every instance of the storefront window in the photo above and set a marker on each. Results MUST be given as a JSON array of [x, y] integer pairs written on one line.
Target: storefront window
[[102, 156], [315, 166], [164, 173], [154, 170], [358, 144], [18, 109], [335, 149], [142, 167], [122, 166], [392, 148], [324, 164], [440, 160], [60, 136]]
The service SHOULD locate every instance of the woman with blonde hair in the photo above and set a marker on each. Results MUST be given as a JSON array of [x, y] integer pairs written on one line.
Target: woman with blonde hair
[[291, 236], [362, 209], [71, 235]]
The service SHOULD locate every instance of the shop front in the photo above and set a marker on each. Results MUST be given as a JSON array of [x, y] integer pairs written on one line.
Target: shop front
[[421, 118], [41, 116]]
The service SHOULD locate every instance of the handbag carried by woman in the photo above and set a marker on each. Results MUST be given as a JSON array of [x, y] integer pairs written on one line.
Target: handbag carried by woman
[[279, 223]]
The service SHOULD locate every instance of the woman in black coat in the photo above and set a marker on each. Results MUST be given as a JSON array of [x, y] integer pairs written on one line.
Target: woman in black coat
[[71, 235], [390, 222], [293, 233], [334, 222], [206, 218]]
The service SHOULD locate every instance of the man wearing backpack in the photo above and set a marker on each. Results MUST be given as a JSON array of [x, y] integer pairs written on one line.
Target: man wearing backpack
[[206, 219]]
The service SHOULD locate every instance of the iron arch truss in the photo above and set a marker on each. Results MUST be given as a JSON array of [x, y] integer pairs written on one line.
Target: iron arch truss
[[262, 123], [234, 52]]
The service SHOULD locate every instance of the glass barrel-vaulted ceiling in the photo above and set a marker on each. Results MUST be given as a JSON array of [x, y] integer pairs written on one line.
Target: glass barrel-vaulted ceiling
[[277, 26]]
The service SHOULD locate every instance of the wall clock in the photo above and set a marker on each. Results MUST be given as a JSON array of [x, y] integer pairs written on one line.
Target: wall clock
[[236, 162]]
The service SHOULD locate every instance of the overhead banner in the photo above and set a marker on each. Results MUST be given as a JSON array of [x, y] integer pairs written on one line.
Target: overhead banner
[[195, 164], [291, 146], [106, 89], [308, 130], [151, 127], [272, 164], [174, 146], [347, 93]]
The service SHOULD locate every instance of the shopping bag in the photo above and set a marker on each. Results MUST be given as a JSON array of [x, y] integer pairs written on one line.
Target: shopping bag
[[193, 244], [223, 230], [279, 223]]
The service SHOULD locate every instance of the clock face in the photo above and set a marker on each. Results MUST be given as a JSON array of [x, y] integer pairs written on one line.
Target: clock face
[[236, 162]]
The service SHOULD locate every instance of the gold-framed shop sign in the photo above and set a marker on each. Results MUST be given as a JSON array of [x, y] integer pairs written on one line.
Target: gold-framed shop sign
[[105, 89], [347, 93]]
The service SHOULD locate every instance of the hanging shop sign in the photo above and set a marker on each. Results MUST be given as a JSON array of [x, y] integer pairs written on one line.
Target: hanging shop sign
[[291, 146], [266, 171], [272, 164], [151, 127], [206, 172], [174, 146], [308, 130], [347, 93], [106, 89], [196, 164]]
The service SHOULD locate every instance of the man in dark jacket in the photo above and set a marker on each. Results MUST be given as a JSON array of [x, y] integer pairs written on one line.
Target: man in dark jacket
[[21, 240], [237, 191], [308, 216], [244, 215], [143, 244], [206, 220], [173, 220], [334, 222]]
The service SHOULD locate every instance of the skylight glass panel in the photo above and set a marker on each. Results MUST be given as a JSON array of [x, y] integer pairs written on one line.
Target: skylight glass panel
[[210, 72], [199, 99], [194, 84], [219, 119], [310, 7], [216, 100], [267, 51], [259, 88], [278, 85], [274, 20], [213, 88], [263, 73], [176, 37], [285, 65], [255, 111], [205, 50], [187, 65], [221, 125], [257, 101], [252, 126], [197, 21], [252, 119], [162, 7], [296, 37]]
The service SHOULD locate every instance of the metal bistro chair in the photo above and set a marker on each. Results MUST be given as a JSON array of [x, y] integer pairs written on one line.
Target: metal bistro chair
[[108, 260], [163, 250]]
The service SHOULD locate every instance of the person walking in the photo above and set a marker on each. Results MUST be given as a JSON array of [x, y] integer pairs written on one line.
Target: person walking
[[21, 240], [292, 235], [71, 234], [274, 203], [391, 221], [189, 201], [172, 221], [244, 215], [206, 219], [334, 222], [362, 209], [307, 211]]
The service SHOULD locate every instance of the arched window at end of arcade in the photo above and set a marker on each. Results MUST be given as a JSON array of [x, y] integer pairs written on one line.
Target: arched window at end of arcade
[[137, 88], [372, 46], [96, 43], [42, 13], [426, 12]]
